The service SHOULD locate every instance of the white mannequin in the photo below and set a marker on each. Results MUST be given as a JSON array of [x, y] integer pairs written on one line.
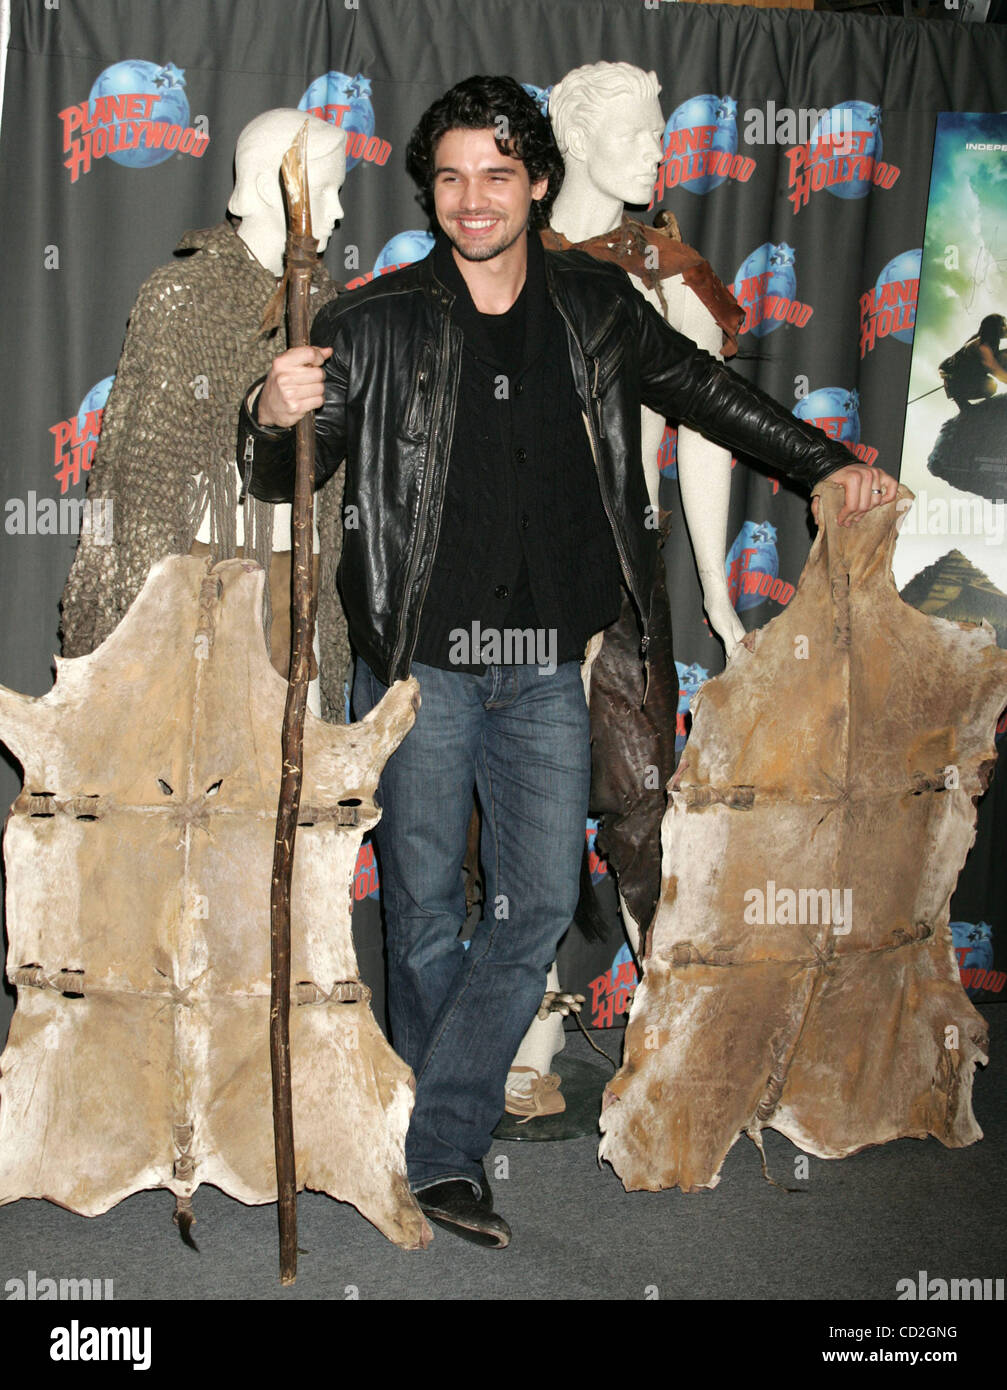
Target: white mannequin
[[258, 197], [258, 200], [608, 124]]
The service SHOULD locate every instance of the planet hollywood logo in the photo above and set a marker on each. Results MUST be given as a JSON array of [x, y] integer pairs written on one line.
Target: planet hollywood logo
[[765, 286], [611, 991], [701, 147], [972, 943], [540, 95], [753, 568], [890, 307], [404, 248], [345, 102], [667, 453], [366, 883], [137, 114], [836, 412], [76, 438], [690, 679], [595, 863], [843, 156]]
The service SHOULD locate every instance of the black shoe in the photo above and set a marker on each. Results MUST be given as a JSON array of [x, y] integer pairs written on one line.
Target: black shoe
[[455, 1206]]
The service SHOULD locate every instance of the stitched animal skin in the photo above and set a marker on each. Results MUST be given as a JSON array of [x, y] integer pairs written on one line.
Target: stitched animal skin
[[139, 857], [800, 972]]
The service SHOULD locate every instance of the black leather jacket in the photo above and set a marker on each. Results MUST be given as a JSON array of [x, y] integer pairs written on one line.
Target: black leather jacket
[[390, 393]]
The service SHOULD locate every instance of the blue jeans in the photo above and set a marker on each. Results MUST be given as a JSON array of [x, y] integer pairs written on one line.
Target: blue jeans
[[458, 1015]]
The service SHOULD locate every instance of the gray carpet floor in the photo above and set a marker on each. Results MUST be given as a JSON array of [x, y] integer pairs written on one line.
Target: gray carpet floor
[[857, 1227]]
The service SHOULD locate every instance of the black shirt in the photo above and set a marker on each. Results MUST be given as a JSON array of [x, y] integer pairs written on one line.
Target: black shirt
[[525, 545]]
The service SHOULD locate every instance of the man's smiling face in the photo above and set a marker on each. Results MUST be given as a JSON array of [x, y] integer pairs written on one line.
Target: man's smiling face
[[482, 197]]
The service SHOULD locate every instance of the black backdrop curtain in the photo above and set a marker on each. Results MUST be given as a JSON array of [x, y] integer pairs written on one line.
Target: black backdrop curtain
[[86, 219]]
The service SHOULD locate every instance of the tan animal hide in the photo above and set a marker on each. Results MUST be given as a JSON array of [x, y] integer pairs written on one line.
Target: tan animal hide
[[839, 753], [139, 856]]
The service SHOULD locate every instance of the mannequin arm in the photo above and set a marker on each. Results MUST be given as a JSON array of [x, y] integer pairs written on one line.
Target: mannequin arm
[[704, 476]]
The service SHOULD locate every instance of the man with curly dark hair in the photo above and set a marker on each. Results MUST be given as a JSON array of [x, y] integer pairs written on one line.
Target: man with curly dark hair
[[487, 403], [520, 131]]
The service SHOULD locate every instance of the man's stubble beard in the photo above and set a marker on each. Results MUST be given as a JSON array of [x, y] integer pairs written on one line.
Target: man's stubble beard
[[485, 253]]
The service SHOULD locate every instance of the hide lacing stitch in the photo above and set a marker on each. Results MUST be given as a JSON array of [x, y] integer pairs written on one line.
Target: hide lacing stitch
[[90, 806], [936, 782], [841, 610], [209, 597], [183, 1170], [66, 981], [342, 992], [330, 815], [740, 798]]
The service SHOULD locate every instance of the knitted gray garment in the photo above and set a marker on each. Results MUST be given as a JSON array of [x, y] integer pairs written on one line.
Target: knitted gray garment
[[193, 346]]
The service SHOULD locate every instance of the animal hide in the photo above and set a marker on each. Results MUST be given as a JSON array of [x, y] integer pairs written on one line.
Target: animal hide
[[139, 857], [800, 972]]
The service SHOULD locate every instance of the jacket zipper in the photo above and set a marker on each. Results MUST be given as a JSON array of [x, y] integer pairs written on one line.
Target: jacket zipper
[[248, 458], [423, 511]]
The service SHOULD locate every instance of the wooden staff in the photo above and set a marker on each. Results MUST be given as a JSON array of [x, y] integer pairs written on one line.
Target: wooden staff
[[301, 257]]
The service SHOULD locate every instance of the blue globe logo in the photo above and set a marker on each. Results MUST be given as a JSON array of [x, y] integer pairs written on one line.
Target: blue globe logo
[[776, 261], [540, 95], [833, 403], [703, 111], [690, 680], [404, 248], [136, 77], [94, 401], [757, 541], [344, 102], [597, 865], [898, 270], [836, 126], [975, 939]]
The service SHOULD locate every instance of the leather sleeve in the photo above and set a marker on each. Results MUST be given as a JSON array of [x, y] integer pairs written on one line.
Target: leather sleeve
[[687, 384], [266, 455]]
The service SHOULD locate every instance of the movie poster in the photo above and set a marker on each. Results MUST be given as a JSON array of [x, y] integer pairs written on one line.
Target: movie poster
[[951, 557], [954, 453]]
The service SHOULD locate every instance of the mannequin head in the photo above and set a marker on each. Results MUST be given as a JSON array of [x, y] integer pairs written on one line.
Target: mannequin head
[[258, 192], [608, 125]]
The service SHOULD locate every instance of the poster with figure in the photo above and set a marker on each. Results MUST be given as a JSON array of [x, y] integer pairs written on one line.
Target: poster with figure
[[951, 558]]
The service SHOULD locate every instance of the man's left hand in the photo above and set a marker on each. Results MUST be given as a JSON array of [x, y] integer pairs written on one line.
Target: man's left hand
[[865, 487]]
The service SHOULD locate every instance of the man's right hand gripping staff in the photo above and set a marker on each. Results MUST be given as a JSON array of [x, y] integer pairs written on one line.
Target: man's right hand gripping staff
[[272, 406], [295, 385]]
